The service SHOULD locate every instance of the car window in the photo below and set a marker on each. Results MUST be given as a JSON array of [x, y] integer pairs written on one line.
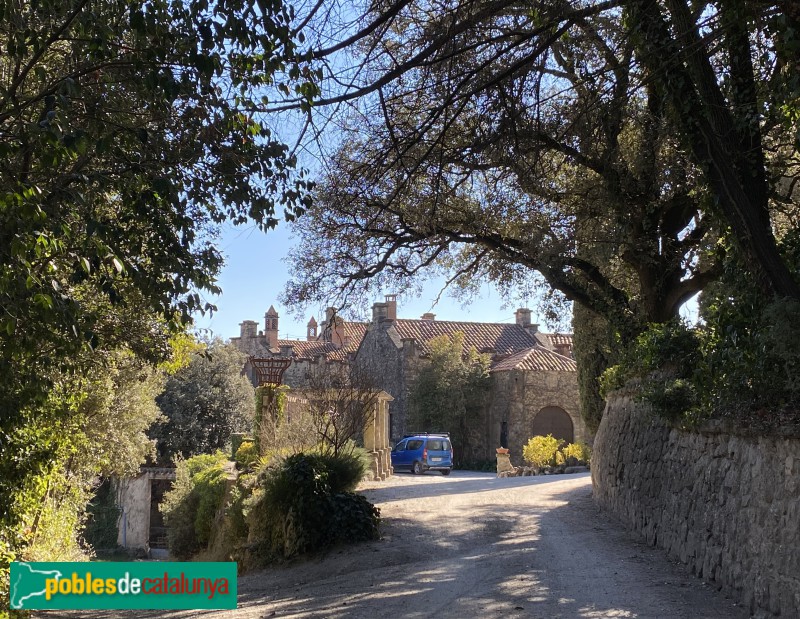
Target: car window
[[438, 444], [414, 444], [401, 446]]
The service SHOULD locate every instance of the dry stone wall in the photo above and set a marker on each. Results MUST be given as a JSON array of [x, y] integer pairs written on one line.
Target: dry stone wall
[[726, 505]]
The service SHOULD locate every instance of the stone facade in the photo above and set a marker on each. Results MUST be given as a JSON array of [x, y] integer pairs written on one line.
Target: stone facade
[[528, 374], [519, 395], [727, 505], [533, 374]]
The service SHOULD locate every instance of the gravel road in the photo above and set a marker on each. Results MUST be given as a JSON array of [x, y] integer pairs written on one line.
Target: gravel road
[[470, 545]]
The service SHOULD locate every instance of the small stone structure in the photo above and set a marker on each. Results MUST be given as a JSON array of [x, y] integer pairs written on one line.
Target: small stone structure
[[727, 505], [376, 439], [140, 526], [504, 466]]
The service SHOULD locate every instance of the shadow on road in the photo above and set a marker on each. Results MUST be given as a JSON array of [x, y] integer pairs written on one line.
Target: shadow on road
[[551, 557]]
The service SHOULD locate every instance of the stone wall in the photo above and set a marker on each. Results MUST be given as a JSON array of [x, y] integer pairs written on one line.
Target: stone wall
[[728, 506], [517, 396], [381, 357]]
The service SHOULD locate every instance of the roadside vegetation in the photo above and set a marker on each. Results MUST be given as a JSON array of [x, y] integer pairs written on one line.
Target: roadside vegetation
[[620, 156]]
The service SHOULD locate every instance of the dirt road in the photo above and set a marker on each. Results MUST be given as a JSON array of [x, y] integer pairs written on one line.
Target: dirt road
[[470, 545]]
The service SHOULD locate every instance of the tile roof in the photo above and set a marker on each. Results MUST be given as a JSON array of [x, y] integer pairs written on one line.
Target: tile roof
[[303, 349], [559, 339], [537, 359], [356, 332], [308, 350], [494, 338]]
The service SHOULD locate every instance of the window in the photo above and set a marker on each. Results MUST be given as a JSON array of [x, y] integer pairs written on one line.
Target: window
[[438, 444], [414, 444]]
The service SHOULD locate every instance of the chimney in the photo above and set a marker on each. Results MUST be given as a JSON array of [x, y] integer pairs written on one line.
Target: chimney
[[248, 328], [523, 316], [338, 337], [271, 327], [287, 350], [311, 333], [391, 307], [379, 312], [428, 316]]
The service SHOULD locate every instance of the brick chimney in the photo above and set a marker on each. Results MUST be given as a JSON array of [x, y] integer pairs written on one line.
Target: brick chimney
[[311, 333], [523, 316], [391, 307], [428, 316]]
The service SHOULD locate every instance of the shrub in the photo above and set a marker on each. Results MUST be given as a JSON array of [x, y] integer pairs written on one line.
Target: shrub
[[303, 504], [541, 450], [190, 507], [576, 453], [247, 455]]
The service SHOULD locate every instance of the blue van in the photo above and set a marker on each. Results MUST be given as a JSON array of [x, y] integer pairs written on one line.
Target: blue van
[[423, 452]]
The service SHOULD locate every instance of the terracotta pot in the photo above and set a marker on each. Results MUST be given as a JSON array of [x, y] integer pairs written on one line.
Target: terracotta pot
[[502, 450]]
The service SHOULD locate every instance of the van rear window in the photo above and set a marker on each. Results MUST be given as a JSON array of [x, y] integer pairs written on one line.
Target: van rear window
[[438, 444]]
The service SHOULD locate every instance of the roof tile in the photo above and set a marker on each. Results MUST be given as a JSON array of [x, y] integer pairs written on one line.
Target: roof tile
[[494, 338], [537, 359]]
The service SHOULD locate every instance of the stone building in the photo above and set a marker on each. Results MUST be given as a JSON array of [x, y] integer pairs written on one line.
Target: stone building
[[534, 377], [330, 346]]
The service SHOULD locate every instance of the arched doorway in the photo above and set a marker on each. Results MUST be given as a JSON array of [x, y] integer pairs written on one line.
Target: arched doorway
[[554, 420]]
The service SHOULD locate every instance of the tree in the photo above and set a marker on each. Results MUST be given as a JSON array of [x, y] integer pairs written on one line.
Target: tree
[[341, 405], [127, 132], [108, 416], [486, 173], [607, 146], [204, 403], [451, 393], [468, 108]]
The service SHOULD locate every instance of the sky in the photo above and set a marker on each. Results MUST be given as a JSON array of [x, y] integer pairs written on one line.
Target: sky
[[256, 272]]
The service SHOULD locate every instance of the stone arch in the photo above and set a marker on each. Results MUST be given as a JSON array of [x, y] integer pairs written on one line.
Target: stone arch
[[556, 421]]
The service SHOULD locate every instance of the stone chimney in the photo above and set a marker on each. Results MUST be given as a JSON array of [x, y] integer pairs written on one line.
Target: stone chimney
[[428, 316], [248, 328], [271, 327], [523, 316], [379, 312]]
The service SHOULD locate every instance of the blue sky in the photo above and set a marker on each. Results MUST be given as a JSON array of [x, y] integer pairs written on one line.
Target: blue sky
[[255, 274]]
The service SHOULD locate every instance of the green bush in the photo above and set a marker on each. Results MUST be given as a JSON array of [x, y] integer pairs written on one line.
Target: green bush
[[576, 453], [304, 504], [542, 450], [190, 507], [247, 455]]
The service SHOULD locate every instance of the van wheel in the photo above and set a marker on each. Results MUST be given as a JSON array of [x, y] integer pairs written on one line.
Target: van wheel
[[446, 471], [417, 468]]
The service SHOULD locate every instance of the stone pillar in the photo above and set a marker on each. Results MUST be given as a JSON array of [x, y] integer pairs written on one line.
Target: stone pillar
[[376, 438], [504, 466]]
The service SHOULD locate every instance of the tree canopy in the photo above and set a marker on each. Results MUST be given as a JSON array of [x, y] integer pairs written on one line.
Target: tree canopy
[[203, 403], [608, 146], [450, 394], [128, 131]]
